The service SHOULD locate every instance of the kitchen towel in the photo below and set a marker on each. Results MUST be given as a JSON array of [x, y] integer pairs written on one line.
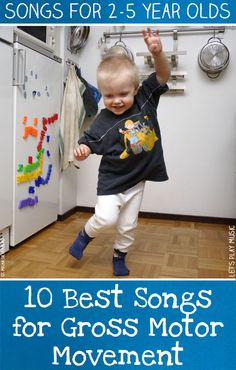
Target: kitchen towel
[[91, 96], [72, 117]]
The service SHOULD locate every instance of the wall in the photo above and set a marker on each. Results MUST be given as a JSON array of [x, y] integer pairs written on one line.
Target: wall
[[198, 132]]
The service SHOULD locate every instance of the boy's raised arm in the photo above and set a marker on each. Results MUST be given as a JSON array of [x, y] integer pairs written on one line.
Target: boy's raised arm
[[161, 62]]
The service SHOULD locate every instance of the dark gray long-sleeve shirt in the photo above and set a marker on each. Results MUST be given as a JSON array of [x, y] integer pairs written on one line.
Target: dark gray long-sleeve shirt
[[130, 143]]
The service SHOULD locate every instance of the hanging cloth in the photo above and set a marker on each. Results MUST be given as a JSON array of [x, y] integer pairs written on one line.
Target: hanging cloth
[[72, 117], [89, 98]]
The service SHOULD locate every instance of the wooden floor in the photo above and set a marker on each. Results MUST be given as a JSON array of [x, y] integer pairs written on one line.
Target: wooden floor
[[163, 249]]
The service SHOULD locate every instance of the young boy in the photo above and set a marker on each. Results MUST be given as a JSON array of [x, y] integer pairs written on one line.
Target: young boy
[[127, 135]]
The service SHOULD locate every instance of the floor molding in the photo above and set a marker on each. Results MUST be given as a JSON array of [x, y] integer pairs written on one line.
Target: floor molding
[[67, 214], [161, 216]]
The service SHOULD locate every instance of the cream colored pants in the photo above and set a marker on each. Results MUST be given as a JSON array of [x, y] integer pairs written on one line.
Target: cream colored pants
[[120, 210]]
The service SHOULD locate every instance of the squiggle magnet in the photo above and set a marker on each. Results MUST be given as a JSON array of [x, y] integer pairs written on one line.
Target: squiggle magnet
[[28, 202], [40, 181]]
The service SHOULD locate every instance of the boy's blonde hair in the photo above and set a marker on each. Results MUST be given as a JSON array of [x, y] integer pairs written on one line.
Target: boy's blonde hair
[[115, 64]]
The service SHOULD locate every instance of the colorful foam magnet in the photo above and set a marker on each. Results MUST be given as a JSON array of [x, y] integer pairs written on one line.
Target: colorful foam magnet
[[31, 171], [30, 130], [24, 119], [31, 190], [35, 121], [28, 202], [39, 146], [30, 159], [41, 181], [20, 168]]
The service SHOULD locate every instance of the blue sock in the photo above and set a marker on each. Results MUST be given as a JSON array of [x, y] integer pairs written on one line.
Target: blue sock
[[80, 243], [119, 267]]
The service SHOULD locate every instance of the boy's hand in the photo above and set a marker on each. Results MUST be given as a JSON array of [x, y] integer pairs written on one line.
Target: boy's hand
[[152, 41], [82, 152]]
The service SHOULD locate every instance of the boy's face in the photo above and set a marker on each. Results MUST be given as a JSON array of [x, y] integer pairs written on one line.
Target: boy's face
[[118, 94]]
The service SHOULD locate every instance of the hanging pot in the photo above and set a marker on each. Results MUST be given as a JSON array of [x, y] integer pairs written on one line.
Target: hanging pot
[[120, 48], [213, 57], [78, 38]]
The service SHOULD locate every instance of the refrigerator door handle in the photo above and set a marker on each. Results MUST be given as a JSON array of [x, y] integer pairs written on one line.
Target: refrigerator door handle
[[19, 69]]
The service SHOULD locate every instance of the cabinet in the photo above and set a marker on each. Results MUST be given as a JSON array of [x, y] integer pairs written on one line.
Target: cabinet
[[6, 136]]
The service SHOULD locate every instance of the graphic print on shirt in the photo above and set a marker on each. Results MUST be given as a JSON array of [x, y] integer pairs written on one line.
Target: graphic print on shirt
[[138, 137]]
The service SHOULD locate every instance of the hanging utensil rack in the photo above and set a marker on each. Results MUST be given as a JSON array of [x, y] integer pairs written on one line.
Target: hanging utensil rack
[[219, 29]]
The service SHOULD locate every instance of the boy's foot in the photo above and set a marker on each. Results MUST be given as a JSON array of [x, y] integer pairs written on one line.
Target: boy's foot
[[80, 243], [119, 266]]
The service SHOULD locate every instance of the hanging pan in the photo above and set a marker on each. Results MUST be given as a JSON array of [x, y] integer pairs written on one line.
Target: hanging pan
[[120, 48], [78, 38], [213, 57]]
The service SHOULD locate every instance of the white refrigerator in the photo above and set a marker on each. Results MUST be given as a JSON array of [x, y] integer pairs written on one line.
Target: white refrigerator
[[6, 144], [36, 95]]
